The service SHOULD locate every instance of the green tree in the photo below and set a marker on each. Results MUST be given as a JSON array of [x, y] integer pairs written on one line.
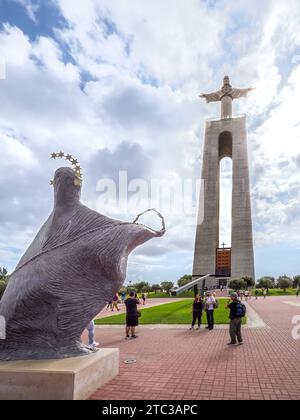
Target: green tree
[[249, 281], [284, 282], [155, 288], [237, 284], [131, 289], [167, 286], [4, 277], [266, 282], [3, 273], [296, 281], [3, 285], [146, 289], [184, 280], [139, 286]]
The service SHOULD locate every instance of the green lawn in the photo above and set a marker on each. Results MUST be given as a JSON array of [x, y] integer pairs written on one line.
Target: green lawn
[[169, 313], [187, 294], [279, 292], [190, 293]]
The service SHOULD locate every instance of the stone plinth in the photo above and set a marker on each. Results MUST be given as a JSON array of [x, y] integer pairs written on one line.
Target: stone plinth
[[65, 379]]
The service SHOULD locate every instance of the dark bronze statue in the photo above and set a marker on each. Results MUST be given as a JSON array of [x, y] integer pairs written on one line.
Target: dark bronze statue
[[76, 263]]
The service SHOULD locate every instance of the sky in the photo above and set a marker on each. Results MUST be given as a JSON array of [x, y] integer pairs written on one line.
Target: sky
[[116, 83]]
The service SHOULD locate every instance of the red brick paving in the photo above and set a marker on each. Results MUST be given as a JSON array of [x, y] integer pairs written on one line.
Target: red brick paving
[[180, 364]]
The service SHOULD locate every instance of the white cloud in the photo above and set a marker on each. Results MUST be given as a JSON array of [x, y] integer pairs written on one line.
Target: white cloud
[[137, 68]]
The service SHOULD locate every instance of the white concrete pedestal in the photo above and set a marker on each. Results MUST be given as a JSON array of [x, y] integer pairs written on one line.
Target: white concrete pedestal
[[65, 379]]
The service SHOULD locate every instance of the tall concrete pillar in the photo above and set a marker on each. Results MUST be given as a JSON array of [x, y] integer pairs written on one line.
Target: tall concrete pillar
[[226, 137]]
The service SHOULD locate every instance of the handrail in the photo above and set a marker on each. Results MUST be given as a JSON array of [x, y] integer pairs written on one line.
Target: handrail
[[190, 284]]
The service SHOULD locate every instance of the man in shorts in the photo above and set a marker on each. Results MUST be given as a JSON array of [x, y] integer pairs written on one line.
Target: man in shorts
[[132, 319]]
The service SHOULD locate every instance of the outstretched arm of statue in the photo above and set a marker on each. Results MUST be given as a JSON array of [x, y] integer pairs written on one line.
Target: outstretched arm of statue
[[240, 93], [211, 97]]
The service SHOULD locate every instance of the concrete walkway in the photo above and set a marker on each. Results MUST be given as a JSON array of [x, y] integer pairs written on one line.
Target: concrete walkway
[[182, 364]]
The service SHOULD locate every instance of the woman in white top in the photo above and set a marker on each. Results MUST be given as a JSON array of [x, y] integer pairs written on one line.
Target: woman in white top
[[210, 304]]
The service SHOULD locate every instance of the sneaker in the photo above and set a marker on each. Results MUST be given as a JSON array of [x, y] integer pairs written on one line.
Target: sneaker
[[191, 328], [95, 344], [231, 344], [134, 336]]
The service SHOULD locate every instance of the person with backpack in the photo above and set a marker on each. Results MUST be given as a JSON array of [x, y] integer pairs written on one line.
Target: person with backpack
[[237, 312], [123, 296], [197, 309]]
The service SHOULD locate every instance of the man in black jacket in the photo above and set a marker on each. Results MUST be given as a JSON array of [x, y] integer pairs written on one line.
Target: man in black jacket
[[132, 319]]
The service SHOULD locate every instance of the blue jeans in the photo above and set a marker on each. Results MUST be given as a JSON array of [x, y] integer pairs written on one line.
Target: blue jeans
[[91, 330]]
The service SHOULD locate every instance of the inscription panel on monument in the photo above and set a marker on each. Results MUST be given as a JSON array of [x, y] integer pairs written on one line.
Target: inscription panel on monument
[[223, 262]]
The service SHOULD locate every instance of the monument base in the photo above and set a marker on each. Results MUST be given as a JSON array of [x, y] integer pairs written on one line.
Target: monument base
[[75, 378]]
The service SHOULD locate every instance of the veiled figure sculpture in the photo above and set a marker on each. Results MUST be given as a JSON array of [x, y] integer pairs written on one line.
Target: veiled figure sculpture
[[76, 263]]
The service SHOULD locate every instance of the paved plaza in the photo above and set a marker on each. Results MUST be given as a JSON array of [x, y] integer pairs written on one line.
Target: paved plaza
[[175, 363]]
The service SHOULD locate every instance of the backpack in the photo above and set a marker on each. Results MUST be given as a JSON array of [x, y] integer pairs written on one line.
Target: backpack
[[240, 310]]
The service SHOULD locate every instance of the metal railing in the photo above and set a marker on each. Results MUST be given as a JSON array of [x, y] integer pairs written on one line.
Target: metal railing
[[190, 285]]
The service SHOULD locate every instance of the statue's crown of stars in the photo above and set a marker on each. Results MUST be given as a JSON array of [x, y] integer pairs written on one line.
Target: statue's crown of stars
[[74, 162]]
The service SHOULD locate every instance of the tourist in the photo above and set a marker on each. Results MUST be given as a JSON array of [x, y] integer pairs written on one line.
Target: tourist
[[91, 333], [297, 292], [144, 298], [265, 293], [197, 309], [115, 302], [123, 296], [132, 315], [237, 312], [256, 294], [246, 294], [109, 305], [210, 305]]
